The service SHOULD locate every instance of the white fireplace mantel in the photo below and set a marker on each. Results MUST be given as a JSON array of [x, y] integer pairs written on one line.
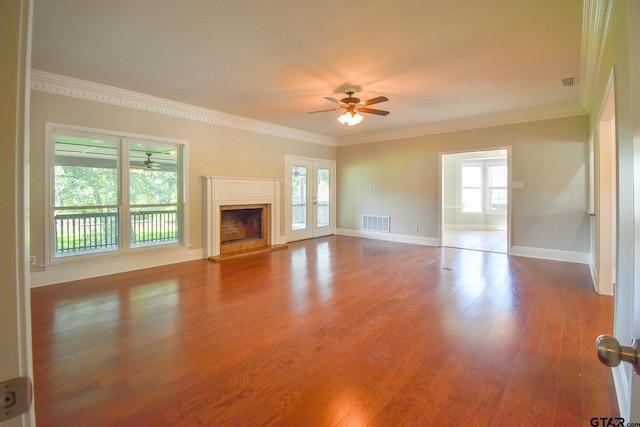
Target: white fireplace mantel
[[223, 191]]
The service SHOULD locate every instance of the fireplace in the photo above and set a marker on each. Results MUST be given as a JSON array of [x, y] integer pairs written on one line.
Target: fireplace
[[243, 227], [241, 215]]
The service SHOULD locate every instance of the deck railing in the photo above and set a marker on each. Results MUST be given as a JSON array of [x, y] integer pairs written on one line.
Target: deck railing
[[154, 227], [99, 231], [299, 215]]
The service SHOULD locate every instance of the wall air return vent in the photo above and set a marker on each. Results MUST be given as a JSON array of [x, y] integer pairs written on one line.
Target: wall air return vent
[[569, 81], [375, 223]]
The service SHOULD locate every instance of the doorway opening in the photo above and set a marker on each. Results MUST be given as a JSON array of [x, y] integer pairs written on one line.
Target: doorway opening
[[606, 202], [475, 200]]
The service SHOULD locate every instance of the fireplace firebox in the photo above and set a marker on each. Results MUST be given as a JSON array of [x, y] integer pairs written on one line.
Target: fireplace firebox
[[243, 227]]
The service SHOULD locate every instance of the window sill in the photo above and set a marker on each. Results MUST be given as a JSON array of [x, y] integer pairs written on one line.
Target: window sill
[[104, 257]]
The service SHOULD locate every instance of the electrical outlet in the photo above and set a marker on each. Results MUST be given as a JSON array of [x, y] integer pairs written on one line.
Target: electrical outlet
[[415, 228], [32, 260]]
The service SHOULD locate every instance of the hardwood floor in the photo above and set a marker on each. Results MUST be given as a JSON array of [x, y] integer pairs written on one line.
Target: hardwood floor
[[331, 331], [479, 240]]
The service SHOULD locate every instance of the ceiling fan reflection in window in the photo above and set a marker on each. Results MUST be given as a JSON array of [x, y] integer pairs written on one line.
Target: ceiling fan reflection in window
[[150, 164], [352, 106]]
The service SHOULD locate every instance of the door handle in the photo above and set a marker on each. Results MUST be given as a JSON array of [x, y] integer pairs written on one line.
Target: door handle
[[611, 353]]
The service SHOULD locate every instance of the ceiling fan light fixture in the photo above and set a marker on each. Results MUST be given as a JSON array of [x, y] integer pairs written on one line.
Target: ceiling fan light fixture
[[350, 118]]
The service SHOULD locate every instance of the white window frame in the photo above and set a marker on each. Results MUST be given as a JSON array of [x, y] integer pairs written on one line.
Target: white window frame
[[484, 185], [124, 204]]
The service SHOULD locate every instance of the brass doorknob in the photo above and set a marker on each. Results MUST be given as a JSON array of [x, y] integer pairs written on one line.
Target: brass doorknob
[[611, 353]]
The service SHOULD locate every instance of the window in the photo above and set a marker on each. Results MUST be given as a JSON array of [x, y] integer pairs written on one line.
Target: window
[[483, 187], [471, 177], [496, 187], [113, 193]]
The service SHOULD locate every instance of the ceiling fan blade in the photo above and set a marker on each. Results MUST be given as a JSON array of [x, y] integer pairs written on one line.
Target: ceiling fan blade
[[332, 99], [375, 100], [372, 111], [323, 111]]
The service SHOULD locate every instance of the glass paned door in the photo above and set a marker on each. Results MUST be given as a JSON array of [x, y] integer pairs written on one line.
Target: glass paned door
[[310, 198], [299, 197], [322, 198]]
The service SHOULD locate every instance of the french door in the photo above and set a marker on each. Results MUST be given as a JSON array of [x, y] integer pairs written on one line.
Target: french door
[[309, 198]]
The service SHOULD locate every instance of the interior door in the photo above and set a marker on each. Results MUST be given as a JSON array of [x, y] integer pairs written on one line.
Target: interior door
[[627, 290], [309, 198], [633, 31]]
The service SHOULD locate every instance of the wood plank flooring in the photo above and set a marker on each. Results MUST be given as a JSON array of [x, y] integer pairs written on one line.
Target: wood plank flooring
[[330, 332]]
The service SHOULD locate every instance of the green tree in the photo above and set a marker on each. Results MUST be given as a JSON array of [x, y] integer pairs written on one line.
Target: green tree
[[153, 187], [85, 186]]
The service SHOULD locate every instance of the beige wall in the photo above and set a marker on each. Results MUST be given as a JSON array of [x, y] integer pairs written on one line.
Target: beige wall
[[213, 150], [549, 156]]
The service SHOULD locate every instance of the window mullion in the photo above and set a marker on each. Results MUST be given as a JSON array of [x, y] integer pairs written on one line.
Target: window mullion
[[485, 188], [125, 229]]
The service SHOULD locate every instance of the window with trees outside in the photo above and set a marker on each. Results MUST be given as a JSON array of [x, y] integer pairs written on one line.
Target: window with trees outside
[[113, 192], [483, 186]]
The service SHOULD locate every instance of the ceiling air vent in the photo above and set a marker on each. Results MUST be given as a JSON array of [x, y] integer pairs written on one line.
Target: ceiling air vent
[[569, 81]]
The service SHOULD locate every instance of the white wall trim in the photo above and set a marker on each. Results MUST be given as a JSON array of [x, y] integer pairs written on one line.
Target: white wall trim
[[99, 267], [400, 238], [529, 252], [550, 254], [224, 191], [593, 269], [68, 86], [595, 22], [623, 390], [76, 88], [486, 121]]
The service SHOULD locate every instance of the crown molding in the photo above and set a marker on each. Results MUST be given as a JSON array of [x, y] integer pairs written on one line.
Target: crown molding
[[595, 22], [96, 92], [492, 120], [76, 88]]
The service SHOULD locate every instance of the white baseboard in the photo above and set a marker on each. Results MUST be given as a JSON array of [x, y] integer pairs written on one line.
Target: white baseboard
[[623, 391], [524, 251], [68, 273], [594, 274], [551, 254], [400, 238]]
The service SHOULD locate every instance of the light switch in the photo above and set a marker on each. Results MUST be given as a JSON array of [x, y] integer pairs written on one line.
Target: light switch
[[517, 184]]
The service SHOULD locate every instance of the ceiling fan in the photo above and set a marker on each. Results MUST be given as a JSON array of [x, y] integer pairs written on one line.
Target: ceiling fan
[[150, 164], [353, 106]]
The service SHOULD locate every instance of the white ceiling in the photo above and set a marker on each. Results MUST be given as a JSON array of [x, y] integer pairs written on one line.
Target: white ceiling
[[275, 60]]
